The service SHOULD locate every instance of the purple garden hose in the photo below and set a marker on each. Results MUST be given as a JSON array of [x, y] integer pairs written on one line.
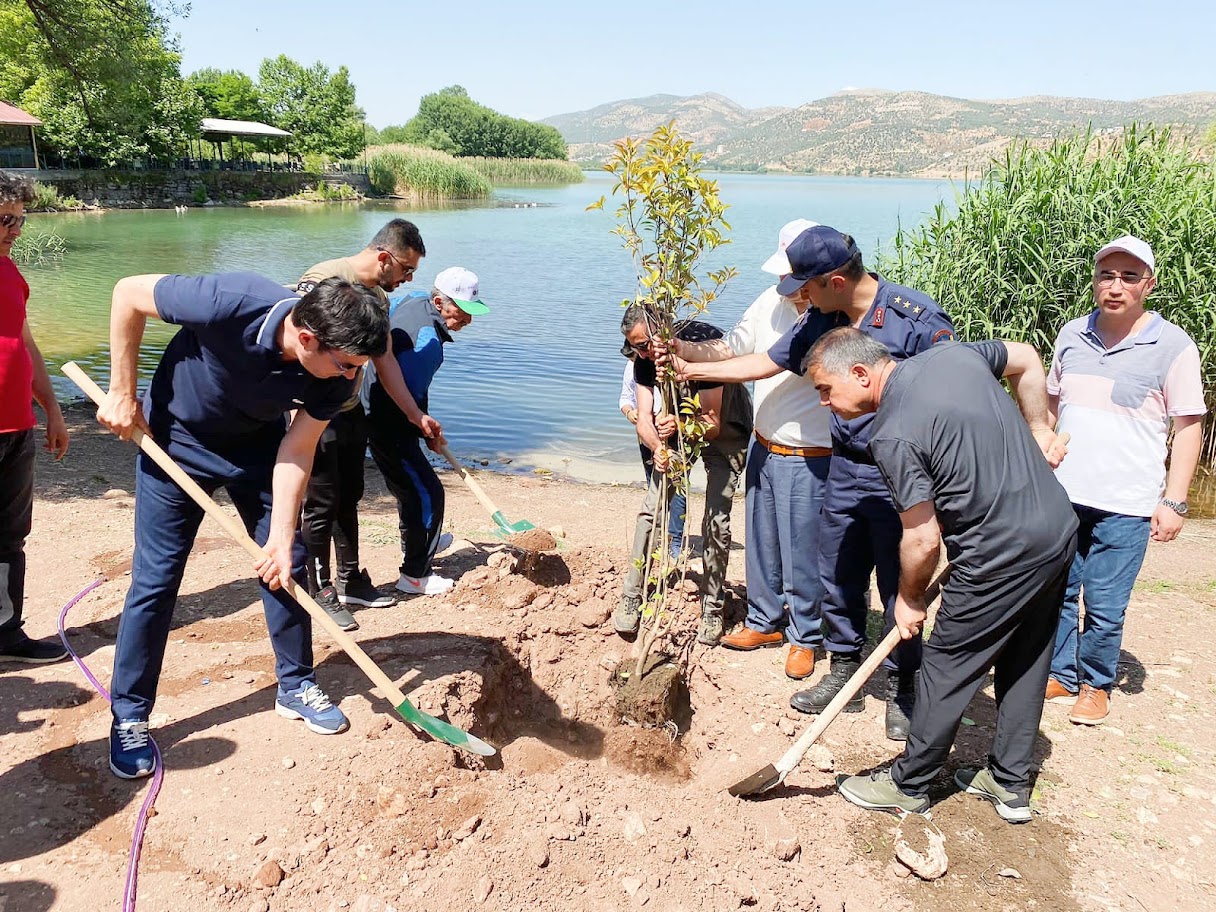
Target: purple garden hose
[[141, 824]]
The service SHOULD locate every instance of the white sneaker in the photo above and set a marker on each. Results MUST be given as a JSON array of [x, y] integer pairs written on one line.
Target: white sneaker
[[424, 585], [445, 542]]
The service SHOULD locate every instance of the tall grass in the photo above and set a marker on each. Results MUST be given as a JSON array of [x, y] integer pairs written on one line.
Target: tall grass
[[525, 170], [1016, 260], [38, 248], [419, 173]]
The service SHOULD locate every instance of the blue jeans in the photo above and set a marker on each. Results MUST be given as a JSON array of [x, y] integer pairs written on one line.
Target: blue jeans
[[784, 496], [1110, 550]]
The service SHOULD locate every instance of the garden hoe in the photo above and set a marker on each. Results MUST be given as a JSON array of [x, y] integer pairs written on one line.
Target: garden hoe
[[772, 775], [434, 727], [521, 535]]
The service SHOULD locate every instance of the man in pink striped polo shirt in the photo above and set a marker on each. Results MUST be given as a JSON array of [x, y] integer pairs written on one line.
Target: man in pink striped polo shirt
[[1119, 377]]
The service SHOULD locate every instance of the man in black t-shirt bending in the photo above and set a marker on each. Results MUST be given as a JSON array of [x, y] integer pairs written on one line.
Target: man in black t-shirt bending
[[962, 464], [727, 409]]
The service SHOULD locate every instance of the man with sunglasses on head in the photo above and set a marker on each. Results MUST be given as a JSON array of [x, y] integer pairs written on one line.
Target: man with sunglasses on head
[[336, 486], [1119, 377], [247, 353], [23, 379]]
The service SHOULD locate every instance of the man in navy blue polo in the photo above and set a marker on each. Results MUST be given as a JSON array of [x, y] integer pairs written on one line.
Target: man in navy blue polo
[[860, 528], [246, 354]]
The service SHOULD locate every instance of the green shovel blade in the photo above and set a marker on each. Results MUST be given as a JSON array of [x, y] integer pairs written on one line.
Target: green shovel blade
[[510, 528], [443, 731]]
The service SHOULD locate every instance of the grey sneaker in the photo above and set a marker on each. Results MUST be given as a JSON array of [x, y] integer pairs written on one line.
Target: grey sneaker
[[628, 615], [878, 792], [327, 598], [1013, 807], [710, 631]]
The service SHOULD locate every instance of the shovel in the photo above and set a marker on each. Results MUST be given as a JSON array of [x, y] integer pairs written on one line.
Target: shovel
[[434, 727], [522, 534], [772, 775]]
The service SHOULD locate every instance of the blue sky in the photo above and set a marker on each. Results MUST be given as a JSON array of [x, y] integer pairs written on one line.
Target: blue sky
[[534, 60]]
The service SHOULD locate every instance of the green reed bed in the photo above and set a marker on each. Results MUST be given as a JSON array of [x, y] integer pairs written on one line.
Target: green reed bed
[[38, 248], [420, 173], [525, 170], [1016, 260]]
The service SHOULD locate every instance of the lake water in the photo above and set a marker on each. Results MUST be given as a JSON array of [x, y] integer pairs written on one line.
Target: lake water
[[534, 381]]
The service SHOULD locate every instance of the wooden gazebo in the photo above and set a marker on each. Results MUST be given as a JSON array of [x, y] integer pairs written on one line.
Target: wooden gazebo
[[18, 146]]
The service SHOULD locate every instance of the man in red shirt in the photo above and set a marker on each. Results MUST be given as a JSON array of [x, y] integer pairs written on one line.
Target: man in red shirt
[[23, 378]]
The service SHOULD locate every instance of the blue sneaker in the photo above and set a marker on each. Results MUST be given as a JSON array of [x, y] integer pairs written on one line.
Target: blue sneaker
[[131, 754], [310, 704]]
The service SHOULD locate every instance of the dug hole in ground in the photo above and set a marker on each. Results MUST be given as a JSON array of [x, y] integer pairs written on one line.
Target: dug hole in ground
[[581, 810]]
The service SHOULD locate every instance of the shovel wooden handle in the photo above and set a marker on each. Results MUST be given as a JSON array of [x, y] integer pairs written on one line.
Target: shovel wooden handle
[[792, 757], [237, 531], [478, 491]]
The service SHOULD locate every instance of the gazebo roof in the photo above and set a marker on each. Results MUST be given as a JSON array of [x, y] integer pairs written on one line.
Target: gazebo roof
[[12, 115], [240, 128]]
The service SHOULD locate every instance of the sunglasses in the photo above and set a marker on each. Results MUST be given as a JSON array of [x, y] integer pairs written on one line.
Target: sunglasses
[[407, 271], [342, 366], [8, 221], [1106, 279]]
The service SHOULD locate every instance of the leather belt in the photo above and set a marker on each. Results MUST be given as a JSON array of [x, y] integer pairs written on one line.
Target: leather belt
[[781, 450]]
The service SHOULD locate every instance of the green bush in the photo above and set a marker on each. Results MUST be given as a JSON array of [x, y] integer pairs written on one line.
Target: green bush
[[48, 199], [1016, 260], [200, 195], [419, 173], [525, 170]]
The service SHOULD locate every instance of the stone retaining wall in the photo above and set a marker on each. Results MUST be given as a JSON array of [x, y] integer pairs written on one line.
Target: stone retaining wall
[[164, 189]]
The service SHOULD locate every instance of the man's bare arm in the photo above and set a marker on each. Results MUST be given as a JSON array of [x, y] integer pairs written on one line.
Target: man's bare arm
[[132, 304], [756, 366]]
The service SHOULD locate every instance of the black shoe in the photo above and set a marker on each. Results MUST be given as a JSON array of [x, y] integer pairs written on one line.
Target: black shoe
[[34, 652], [358, 590], [901, 699], [327, 598], [816, 699]]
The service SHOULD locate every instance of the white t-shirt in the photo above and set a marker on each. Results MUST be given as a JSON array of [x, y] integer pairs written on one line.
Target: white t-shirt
[[787, 408], [629, 391]]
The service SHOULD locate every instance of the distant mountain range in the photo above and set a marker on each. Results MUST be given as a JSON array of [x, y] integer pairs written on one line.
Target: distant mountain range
[[867, 131]]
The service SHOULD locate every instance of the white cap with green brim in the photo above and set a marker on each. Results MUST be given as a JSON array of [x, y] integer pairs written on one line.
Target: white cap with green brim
[[462, 286]]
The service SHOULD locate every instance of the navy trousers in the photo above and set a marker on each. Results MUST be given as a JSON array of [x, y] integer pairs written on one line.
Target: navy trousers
[[419, 493], [166, 522], [859, 534], [784, 496]]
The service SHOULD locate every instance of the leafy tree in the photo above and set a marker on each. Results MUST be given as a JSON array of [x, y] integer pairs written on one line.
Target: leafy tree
[[450, 120], [102, 75], [316, 106], [393, 133], [229, 94]]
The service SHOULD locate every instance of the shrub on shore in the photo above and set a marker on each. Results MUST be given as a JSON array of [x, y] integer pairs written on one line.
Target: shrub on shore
[[48, 199], [419, 173], [525, 170], [1016, 260]]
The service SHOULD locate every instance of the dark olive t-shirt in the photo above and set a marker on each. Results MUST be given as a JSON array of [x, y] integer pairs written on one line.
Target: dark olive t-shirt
[[947, 432]]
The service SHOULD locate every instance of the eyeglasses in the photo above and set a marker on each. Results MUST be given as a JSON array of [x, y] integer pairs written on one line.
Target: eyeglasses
[[1106, 279], [641, 347], [406, 271], [9, 221], [342, 366]]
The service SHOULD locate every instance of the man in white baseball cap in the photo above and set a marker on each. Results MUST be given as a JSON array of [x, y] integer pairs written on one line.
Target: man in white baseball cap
[[421, 325], [787, 466], [1120, 375]]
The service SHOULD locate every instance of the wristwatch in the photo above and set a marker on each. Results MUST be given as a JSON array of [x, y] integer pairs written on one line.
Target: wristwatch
[[1177, 506]]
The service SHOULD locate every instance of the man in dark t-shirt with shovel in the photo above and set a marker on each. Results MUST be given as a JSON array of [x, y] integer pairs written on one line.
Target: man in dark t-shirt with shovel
[[963, 465]]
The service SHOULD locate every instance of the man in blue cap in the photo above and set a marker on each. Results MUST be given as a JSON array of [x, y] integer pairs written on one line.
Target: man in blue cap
[[860, 528]]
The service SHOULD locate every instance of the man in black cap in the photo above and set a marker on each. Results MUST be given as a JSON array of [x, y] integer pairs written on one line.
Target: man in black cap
[[859, 528]]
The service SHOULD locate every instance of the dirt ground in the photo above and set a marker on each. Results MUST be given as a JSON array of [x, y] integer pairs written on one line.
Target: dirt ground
[[582, 809]]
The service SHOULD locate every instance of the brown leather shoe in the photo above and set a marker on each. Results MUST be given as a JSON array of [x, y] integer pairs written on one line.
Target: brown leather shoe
[[800, 662], [1058, 693], [1091, 708], [746, 639]]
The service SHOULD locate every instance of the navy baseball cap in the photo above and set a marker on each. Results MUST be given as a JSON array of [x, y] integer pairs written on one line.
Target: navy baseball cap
[[815, 252]]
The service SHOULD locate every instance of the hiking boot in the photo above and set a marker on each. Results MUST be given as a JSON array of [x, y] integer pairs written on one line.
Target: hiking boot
[[358, 590], [878, 792], [628, 615], [1091, 708], [816, 699], [710, 631], [1013, 807], [901, 699], [310, 704], [799, 663], [131, 755], [747, 639], [327, 598], [34, 652], [431, 584], [1058, 693]]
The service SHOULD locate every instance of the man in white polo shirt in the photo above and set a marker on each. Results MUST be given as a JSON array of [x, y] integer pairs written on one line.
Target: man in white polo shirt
[[1119, 376], [787, 467]]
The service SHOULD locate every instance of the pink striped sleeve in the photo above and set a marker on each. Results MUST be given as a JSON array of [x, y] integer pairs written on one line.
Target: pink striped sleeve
[[1184, 385]]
